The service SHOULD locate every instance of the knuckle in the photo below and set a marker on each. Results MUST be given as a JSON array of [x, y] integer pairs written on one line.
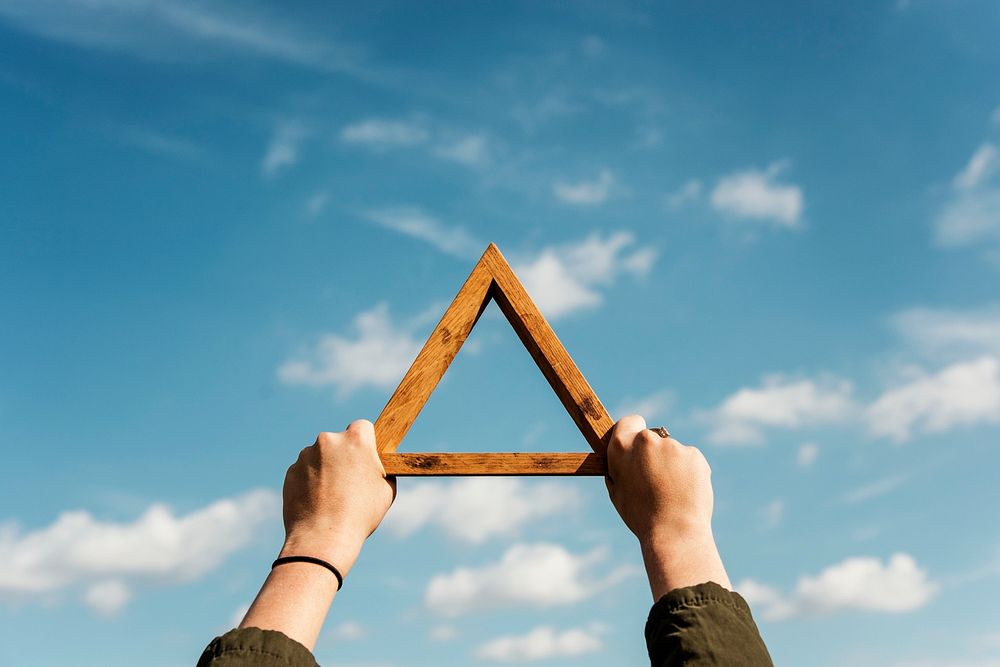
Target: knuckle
[[324, 438], [646, 438]]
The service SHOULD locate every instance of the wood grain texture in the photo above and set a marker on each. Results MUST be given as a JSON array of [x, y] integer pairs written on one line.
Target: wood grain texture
[[433, 360], [548, 352], [416, 465], [493, 278]]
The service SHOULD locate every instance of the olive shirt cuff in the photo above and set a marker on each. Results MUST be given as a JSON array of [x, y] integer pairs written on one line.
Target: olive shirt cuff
[[253, 647], [705, 626]]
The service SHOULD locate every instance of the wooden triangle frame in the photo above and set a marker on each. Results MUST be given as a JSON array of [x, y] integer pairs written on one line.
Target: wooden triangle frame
[[492, 278]]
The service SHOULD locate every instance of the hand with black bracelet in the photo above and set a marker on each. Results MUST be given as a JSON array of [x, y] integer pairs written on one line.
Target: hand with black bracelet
[[335, 495]]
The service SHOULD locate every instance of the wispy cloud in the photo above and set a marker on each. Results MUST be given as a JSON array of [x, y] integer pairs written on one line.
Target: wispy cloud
[[755, 194], [983, 164], [779, 402], [689, 192], [478, 509], [283, 148], [807, 454], [542, 643], [158, 143], [855, 584], [950, 332], [472, 150], [971, 214], [652, 406], [176, 30], [879, 487], [376, 355], [527, 575], [585, 193], [317, 203], [109, 558], [383, 134], [414, 222]]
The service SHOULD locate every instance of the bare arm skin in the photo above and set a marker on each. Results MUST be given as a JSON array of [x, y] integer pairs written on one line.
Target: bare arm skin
[[335, 496], [663, 492]]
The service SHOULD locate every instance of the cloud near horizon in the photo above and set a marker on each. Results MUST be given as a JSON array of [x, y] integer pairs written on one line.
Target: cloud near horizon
[[526, 576], [110, 558], [855, 584]]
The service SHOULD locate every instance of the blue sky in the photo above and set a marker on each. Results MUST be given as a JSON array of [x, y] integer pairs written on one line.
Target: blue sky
[[225, 228]]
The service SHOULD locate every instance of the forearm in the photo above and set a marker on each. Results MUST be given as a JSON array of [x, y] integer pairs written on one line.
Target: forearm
[[682, 559], [294, 600]]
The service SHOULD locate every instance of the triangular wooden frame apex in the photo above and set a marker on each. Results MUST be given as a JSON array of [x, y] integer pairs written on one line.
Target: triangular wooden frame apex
[[492, 278]]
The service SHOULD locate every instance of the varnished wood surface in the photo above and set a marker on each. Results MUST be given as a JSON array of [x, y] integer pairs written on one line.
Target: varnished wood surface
[[433, 360], [492, 278], [548, 352], [438, 464]]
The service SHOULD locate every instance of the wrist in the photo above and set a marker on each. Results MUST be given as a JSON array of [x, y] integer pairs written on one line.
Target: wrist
[[682, 558], [338, 547]]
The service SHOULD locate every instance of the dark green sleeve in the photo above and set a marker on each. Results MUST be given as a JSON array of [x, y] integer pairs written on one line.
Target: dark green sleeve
[[704, 626], [253, 647]]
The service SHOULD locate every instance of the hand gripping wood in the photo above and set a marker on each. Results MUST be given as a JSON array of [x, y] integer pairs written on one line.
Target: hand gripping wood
[[492, 278]]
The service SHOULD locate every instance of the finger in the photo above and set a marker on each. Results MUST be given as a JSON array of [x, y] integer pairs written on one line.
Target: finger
[[363, 430], [626, 428]]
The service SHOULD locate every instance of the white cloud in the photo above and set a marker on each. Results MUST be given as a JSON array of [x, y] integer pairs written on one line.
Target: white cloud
[[653, 407], [779, 402], [102, 555], [161, 144], [443, 633], [807, 454], [414, 222], [107, 597], [477, 509], [472, 150], [172, 31], [283, 150], [563, 279], [317, 203], [527, 575], [381, 133], [772, 513], [348, 631], [981, 166], [757, 195], [687, 193], [377, 355], [949, 333], [962, 394], [972, 212], [586, 193], [875, 489], [969, 218], [855, 584], [542, 643]]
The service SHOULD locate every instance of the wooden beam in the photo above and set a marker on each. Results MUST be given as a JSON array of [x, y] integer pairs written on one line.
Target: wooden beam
[[433, 360], [548, 352], [492, 278], [461, 464]]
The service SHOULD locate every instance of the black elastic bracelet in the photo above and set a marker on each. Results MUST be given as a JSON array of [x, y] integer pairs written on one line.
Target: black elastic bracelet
[[314, 561]]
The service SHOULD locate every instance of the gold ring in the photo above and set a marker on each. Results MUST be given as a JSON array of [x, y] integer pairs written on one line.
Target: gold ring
[[661, 431]]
